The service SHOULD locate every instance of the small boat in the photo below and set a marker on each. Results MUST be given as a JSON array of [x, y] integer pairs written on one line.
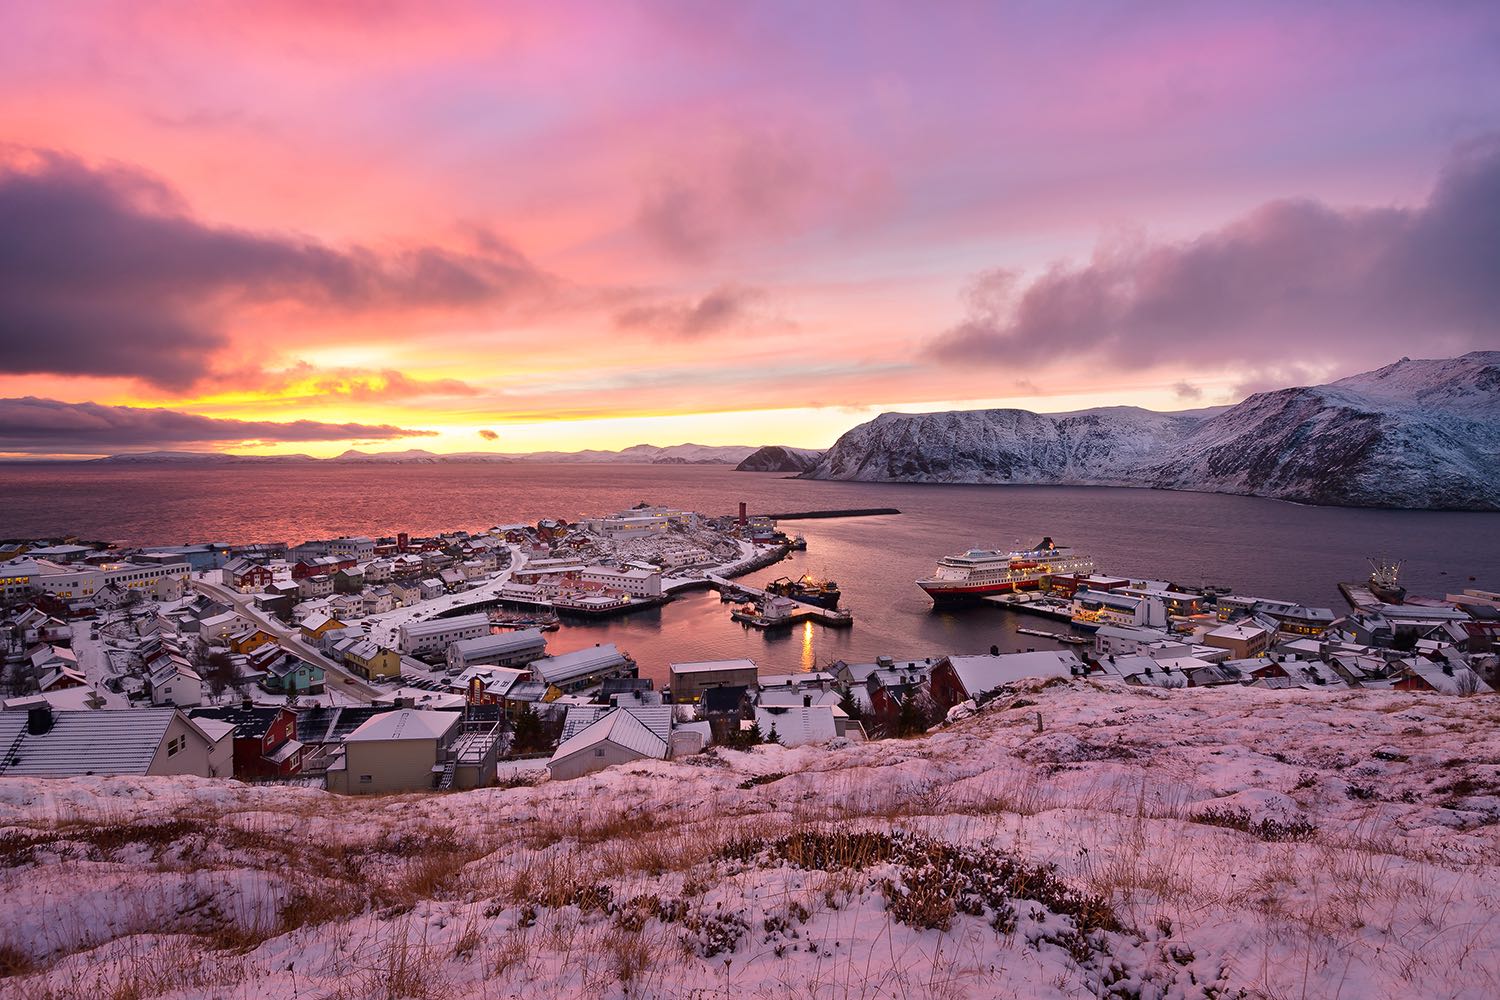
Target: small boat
[[823, 593]]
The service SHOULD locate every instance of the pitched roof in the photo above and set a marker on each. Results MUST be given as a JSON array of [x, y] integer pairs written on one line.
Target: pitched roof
[[984, 673], [657, 718], [105, 741], [618, 726], [404, 724], [799, 725]]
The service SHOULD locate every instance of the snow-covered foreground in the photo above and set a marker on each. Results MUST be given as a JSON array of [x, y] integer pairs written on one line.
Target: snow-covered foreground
[[1073, 840]]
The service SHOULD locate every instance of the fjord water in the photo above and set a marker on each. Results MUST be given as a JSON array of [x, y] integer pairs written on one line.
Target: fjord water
[[1256, 546]]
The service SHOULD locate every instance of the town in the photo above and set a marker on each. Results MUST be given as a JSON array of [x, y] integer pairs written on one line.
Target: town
[[375, 665]]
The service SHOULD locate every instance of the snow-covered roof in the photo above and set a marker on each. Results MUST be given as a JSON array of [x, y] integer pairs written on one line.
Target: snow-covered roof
[[499, 644], [438, 626], [619, 727], [567, 666], [107, 741], [657, 718], [711, 666], [798, 725], [405, 724], [983, 673]]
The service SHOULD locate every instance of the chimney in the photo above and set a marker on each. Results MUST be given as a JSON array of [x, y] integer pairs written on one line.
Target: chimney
[[743, 519], [39, 720]]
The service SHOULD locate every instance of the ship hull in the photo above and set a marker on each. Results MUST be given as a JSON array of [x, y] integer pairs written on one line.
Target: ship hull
[[969, 593]]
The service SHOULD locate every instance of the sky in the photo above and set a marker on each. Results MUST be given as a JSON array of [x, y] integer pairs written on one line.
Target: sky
[[292, 227]]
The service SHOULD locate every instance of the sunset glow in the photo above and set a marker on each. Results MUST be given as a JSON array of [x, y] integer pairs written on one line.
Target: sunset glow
[[586, 225]]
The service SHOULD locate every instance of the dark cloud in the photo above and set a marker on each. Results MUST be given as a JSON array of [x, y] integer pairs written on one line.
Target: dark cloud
[[1186, 390], [47, 426], [726, 307], [104, 272], [1293, 279], [489, 435]]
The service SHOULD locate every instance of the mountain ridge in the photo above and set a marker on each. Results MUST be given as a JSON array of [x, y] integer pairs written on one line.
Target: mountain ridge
[[1413, 434]]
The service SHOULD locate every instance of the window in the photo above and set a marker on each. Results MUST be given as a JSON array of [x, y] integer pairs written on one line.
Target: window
[[599, 752], [365, 779], [176, 746]]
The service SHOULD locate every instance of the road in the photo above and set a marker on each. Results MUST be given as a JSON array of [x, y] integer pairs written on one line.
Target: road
[[385, 628], [290, 639]]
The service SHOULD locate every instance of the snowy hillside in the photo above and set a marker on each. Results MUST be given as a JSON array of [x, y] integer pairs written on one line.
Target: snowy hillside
[[1412, 434], [1004, 446], [778, 458], [1067, 841]]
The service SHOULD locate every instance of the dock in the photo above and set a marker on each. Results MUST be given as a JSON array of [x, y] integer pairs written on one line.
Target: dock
[[1031, 605], [830, 617]]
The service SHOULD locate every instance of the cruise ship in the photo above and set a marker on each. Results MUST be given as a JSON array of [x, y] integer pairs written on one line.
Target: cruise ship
[[981, 572]]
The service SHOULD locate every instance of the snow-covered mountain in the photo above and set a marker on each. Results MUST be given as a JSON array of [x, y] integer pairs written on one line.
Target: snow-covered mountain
[[1005, 446], [1422, 433], [779, 458]]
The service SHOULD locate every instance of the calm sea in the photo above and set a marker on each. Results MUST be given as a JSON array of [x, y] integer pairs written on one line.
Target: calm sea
[[1258, 547]]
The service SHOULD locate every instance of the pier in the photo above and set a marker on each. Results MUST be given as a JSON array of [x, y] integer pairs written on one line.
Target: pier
[[812, 515], [830, 617]]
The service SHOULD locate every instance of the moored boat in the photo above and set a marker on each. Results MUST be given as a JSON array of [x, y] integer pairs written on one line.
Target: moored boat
[[980, 573]]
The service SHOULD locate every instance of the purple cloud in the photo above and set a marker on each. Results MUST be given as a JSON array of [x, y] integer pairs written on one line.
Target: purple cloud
[[1293, 279], [48, 426], [103, 272], [726, 307]]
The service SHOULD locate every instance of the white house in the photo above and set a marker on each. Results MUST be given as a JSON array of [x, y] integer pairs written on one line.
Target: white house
[[176, 683], [617, 736]]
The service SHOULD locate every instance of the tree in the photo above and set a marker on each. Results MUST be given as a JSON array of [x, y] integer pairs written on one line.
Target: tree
[[527, 732], [851, 706], [773, 736], [1405, 640], [219, 672]]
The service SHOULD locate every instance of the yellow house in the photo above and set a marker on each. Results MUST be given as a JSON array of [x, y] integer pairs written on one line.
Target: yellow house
[[249, 640], [373, 662], [315, 625]]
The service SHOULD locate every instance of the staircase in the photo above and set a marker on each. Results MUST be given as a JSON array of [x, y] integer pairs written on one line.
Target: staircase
[[446, 781]]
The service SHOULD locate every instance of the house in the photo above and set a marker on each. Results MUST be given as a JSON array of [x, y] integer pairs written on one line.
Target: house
[[690, 680], [217, 627], [312, 587], [248, 638], [371, 661], [317, 624], [265, 739], [795, 725], [321, 731], [956, 679], [176, 683], [487, 685], [615, 736], [45, 743], [433, 636], [400, 751], [582, 668], [1243, 640], [504, 649], [290, 674], [377, 600], [348, 580], [245, 576]]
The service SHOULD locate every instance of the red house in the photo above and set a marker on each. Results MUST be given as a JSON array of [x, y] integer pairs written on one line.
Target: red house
[[265, 739], [244, 575], [328, 565]]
